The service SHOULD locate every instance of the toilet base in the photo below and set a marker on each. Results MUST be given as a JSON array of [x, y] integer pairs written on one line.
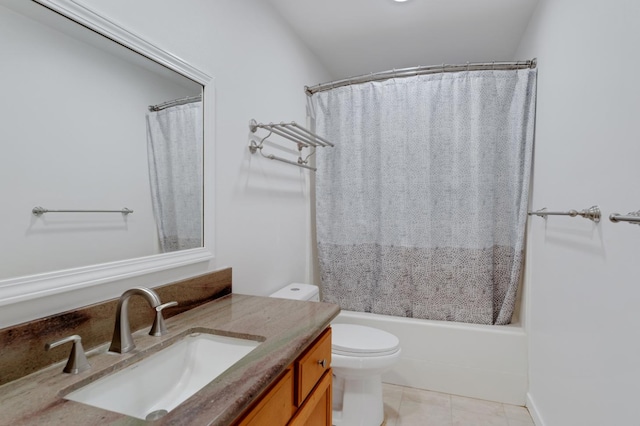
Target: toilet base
[[357, 401]]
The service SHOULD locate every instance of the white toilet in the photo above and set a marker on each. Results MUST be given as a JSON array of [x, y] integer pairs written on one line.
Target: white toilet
[[359, 356]]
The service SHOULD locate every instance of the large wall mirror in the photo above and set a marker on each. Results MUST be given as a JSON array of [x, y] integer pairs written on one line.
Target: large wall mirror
[[79, 137]]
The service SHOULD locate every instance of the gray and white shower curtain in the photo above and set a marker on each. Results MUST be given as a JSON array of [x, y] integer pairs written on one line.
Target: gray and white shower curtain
[[421, 206], [174, 150]]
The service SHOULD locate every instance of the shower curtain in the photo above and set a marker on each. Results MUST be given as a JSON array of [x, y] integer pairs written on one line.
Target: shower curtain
[[421, 206], [174, 149]]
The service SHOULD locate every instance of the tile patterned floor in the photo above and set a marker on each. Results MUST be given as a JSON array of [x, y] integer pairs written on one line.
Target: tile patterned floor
[[415, 407]]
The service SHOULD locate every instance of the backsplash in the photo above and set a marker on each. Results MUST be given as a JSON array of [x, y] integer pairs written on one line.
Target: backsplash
[[22, 346]]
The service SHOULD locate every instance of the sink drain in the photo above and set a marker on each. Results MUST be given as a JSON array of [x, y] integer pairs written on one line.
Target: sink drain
[[155, 415]]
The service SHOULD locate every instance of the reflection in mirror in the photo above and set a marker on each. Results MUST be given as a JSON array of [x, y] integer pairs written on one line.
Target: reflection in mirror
[[174, 136], [77, 134]]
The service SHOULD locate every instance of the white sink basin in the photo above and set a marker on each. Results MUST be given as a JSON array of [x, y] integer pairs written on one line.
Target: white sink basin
[[159, 383]]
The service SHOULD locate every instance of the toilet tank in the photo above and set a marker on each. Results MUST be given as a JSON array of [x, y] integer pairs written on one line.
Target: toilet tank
[[296, 291]]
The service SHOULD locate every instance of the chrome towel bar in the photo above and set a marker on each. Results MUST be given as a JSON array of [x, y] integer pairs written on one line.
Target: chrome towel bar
[[302, 137], [632, 217], [592, 213], [38, 211], [292, 131]]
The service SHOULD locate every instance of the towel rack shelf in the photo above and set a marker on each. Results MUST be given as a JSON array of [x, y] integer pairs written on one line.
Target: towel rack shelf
[[38, 211], [293, 132], [592, 213]]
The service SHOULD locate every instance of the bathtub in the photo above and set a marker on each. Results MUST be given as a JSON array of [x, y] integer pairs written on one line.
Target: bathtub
[[478, 361]]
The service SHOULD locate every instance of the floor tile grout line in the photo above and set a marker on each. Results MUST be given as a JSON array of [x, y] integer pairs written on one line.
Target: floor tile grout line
[[406, 394]]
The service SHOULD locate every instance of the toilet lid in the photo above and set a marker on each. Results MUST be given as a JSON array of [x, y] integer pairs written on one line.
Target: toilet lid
[[358, 340]]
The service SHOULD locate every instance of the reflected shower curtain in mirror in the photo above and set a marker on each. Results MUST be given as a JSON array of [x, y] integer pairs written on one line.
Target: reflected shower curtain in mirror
[[421, 207], [174, 148]]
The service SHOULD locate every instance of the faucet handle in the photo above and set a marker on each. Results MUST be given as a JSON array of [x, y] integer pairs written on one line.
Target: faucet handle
[[77, 362], [158, 328]]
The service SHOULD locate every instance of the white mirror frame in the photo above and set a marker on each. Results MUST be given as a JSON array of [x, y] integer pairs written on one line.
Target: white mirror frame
[[20, 289]]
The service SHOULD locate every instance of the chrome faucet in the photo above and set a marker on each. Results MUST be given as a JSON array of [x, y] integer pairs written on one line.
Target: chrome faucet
[[122, 340]]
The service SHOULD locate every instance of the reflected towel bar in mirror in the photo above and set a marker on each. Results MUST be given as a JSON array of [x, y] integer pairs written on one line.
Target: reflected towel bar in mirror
[[41, 210], [592, 213], [632, 217]]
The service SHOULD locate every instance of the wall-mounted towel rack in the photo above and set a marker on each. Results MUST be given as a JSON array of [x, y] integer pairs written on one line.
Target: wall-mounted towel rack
[[291, 131], [41, 210], [592, 213], [632, 217]]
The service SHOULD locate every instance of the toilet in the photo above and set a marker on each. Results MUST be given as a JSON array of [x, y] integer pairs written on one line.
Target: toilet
[[359, 356]]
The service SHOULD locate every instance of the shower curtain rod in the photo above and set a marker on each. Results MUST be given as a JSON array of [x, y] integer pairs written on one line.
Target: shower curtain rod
[[175, 102], [421, 70]]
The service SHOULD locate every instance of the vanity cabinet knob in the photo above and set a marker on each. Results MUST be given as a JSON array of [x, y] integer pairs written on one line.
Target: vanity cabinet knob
[[77, 362], [323, 363]]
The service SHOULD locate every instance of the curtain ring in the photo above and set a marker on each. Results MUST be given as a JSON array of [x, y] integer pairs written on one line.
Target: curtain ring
[[467, 66], [493, 66]]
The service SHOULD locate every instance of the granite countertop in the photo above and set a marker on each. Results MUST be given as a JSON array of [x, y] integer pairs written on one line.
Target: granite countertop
[[287, 327]]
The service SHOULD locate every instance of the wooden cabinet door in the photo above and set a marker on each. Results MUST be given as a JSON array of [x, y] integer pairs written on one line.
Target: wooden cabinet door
[[316, 410], [276, 408], [302, 398]]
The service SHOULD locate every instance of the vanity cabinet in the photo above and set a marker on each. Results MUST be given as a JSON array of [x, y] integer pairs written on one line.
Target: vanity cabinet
[[301, 396]]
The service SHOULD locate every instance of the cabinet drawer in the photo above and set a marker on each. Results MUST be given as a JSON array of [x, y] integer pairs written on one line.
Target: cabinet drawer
[[312, 365]]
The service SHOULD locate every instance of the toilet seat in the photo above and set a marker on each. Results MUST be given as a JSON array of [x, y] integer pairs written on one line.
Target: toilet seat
[[361, 341]]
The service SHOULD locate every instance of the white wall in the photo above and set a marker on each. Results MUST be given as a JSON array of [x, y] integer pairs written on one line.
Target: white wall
[[262, 219], [583, 318]]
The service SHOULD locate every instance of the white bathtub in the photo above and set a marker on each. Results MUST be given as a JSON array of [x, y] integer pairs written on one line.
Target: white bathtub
[[478, 361]]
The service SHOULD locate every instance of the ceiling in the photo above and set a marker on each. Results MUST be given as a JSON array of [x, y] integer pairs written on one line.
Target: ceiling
[[354, 37]]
